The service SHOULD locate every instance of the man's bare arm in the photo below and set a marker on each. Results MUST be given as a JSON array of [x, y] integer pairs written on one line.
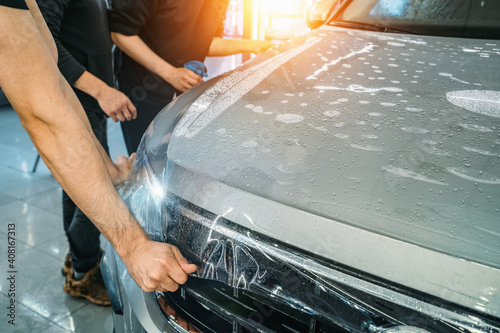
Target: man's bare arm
[[223, 47], [113, 102], [181, 78], [48, 111], [121, 168]]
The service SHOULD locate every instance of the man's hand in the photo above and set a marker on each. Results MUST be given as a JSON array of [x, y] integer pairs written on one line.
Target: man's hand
[[157, 266], [259, 46], [121, 172], [115, 104], [183, 79], [48, 112]]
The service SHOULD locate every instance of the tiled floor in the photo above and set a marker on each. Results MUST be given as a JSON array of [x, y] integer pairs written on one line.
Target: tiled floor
[[32, 201]]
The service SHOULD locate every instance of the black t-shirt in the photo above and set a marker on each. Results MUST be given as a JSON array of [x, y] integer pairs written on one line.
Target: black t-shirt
[[177, 30], [20, 4], [80, 31]]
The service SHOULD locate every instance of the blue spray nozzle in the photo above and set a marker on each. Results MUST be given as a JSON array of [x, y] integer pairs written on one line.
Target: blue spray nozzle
[[197, 66]]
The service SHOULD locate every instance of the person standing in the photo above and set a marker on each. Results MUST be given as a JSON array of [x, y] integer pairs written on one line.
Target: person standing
[[58, 127], [81, 34], [157, 38]]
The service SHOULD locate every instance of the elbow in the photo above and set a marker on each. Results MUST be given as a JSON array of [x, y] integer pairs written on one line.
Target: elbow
[[119, 39], [32, 123], [115, 37], [215, 47], [38, 109]]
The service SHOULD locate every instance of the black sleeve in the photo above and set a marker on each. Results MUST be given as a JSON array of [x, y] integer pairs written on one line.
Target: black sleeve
[[53, 13], [19, 4], [129, 16]]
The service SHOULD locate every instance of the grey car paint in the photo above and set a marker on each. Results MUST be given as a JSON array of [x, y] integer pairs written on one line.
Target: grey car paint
[[353, 146], [360, 134]]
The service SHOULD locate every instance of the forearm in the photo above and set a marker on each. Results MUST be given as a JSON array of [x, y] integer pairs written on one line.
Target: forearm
[[223, 47], [35, 88], [39, 94], [180, 78], [136, 49], [91, 85], [112, 102], [73, 101], [83, 167], [39, 23]]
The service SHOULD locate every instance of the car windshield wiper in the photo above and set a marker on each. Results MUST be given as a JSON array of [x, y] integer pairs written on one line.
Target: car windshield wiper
[[368, 26]]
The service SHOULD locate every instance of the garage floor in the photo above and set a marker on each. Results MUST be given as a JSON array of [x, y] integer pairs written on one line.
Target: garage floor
[[32, 202]]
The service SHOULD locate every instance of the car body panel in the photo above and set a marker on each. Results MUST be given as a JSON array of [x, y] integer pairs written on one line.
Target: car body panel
[[412, 159], [453, 279], [144, 315], [408, 164], [367, 156]]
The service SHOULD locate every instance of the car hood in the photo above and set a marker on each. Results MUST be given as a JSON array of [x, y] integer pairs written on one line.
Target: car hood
[[376, 151], [395, 134]]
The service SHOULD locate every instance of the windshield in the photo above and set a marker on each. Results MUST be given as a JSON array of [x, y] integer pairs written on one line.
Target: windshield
[[455, 18]]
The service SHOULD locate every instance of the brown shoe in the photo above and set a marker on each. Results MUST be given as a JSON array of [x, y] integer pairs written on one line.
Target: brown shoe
[[90, 287], [67, 265]]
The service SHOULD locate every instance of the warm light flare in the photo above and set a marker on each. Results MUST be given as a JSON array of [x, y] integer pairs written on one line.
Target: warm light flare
[[284, 19], [286, 7]]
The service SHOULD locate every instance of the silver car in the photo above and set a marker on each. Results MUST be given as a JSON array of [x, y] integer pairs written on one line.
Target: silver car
[[345, 181]]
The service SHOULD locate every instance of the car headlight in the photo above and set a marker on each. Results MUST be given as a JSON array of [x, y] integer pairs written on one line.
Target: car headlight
[[144, 195], [251, 281], [143, 192]]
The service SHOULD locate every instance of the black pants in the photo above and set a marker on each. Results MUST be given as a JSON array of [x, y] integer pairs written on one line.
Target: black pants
[[147, 109], [82, 235], [133, 130]]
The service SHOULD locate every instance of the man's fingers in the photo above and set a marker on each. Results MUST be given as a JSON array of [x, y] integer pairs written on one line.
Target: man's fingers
[[183, 262], [188, 268], [192, 78], [113, 116], [158, 266], [166, 279], [132, 109], [184, 79], [196, 81], [177, 274], [126, 113], [170, 267], [189, 83], [148, 286], [167, 285], [199, 79]]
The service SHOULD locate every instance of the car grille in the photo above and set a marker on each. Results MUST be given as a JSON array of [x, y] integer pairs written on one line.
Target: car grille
[[247, 282], [211, 306]]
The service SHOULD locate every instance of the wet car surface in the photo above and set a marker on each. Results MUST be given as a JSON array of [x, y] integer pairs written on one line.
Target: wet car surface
[[347, 180]]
